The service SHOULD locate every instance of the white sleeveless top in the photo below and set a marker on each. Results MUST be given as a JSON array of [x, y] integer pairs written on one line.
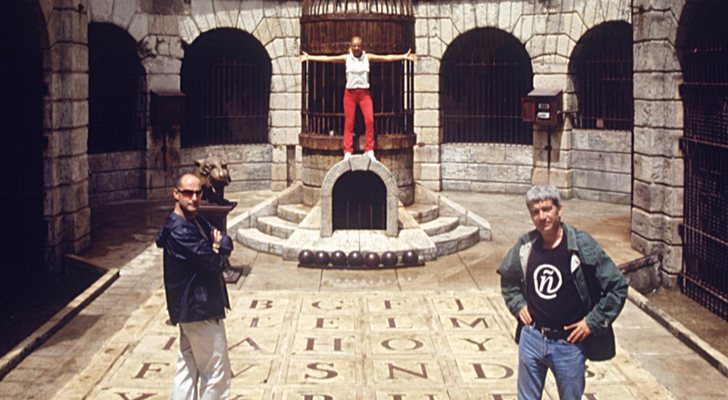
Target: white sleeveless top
[[357, 71]]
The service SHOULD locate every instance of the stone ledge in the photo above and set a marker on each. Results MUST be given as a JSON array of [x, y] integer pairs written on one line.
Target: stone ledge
[[42, 334], [681, 332]]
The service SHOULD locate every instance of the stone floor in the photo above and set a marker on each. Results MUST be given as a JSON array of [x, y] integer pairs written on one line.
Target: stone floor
[[119, 346]]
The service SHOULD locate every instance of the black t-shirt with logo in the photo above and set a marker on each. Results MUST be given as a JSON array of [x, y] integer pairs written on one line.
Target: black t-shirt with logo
[[551, 294]]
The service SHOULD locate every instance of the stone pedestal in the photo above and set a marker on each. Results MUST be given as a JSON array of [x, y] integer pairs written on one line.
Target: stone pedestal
[[321, 152]]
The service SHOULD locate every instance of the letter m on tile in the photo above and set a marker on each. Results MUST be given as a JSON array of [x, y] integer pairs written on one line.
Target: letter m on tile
[[458, 323]]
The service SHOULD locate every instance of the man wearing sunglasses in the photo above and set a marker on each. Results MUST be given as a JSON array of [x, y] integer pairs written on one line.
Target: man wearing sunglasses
[[196, 294]]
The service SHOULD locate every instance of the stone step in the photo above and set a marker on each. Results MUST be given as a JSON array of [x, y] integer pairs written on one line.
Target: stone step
[[293, 212], [275, 226], [259, 241], [440, 225], [424, 212], [457, 239]]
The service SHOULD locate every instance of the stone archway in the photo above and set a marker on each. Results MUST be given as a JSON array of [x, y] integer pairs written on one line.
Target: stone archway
[[358, 163]]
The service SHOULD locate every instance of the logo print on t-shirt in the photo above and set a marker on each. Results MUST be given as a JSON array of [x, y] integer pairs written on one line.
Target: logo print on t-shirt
[[547, 281]]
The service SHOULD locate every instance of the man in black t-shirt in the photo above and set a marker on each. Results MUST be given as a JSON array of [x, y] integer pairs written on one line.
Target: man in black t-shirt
[[562, 287]]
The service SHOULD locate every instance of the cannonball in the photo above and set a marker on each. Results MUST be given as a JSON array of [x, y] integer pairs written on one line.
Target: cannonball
[[409, 258], [321, 258], [389, 259], [371, 260], [305, 257], [338, 258], [355, 259]]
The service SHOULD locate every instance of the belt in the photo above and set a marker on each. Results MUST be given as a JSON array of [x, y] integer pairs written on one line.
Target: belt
[[550, 333]]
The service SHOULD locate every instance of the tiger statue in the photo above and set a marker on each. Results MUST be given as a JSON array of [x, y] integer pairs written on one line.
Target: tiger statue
[[214, 175]]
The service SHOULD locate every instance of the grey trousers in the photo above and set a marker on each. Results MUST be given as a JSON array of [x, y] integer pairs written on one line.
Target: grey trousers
[[203, 358]]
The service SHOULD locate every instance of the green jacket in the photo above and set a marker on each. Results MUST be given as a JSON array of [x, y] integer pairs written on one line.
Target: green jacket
[[600, 284]]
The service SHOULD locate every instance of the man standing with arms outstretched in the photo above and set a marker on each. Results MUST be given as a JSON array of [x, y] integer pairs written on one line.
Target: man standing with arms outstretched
[[196, 295], [565, 292]]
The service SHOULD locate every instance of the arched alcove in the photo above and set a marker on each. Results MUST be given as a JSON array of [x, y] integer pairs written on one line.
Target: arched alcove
[[483, 76], [23, 231], [226, 77], [117, 91], [702, 43], [361, 175], [359, 201], [601, 68]]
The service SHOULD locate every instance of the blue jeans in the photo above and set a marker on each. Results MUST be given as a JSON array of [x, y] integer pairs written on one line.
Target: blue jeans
[[537, 354]]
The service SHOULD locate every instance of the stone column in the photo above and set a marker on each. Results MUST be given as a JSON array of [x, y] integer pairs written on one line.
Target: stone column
[[430, 46], [66, 208], [279, 31], [657, 208], [161, 45]]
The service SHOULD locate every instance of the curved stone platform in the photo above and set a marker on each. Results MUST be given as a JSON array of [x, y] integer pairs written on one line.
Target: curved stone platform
[[432, 226]]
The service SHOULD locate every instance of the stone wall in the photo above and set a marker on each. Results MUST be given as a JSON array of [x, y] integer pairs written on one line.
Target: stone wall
[[115, 177], [160, 29], [588, 164], [486, 167], [602, 165], [65, 124], [658, 122], [549, 32]]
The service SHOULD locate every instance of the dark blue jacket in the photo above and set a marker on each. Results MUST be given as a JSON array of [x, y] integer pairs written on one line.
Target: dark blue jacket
[[193, 282]]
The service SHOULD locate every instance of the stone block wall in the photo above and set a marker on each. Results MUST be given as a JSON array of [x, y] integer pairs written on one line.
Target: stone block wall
[[486, 168], [602, 165], [657, 208], [584, 163], [115, 177], [549, 32], [161, 29], [65, 124]]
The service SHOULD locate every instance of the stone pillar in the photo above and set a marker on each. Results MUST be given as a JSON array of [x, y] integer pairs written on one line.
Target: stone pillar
[[66, 208], [657, 208], [430, 46], [159, 40], [279, 33]]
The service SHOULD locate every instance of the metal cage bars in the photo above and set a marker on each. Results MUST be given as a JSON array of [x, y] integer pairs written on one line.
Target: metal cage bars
[[602, 70], [703, 50], [320, 7], [226, 81], [392, 91], [483, 77]]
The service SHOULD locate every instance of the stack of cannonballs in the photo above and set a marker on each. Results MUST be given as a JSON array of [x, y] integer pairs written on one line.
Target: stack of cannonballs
[[356, 259]]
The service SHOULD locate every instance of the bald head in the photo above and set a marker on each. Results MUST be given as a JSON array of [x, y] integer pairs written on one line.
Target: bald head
[[187, 178]]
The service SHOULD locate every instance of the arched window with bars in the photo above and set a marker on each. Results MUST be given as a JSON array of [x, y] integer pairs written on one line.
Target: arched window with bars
[[117, 91], [226, 78], [601, 68], [483, 76], [702, 44]]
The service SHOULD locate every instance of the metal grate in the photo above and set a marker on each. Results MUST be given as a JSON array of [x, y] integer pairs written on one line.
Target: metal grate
[[359, 201], [602, 70], [117, 91], [319, 7], [703, 45], [226, 76], [391, 90], [483, 76]]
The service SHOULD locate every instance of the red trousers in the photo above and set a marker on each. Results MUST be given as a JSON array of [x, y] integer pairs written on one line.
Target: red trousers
[[352, 97]]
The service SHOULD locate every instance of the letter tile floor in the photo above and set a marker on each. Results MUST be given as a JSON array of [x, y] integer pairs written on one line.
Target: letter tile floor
[[362, 345]]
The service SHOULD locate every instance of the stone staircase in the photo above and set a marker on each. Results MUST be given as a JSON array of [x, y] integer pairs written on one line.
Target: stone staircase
[[271, 229]]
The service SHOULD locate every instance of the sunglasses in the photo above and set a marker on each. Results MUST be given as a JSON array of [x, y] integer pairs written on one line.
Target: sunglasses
[[189, 193]]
